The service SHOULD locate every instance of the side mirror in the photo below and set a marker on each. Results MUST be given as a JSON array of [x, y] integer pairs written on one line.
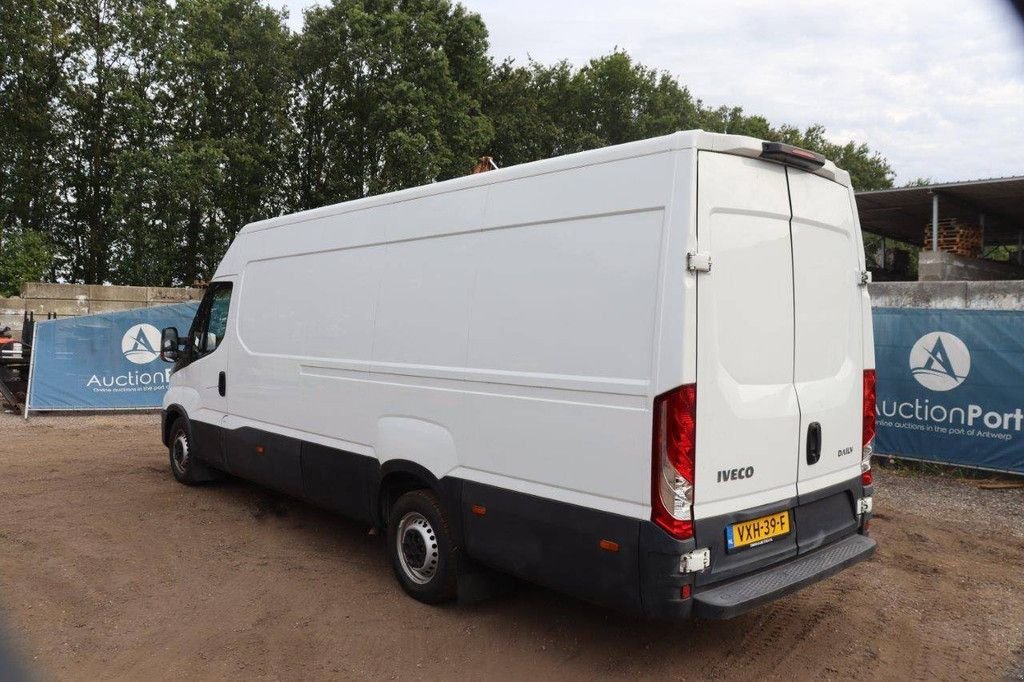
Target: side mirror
[[210, 344], [169, 348]]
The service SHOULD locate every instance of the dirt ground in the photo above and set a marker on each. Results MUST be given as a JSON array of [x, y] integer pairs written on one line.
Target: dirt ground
[[111, 569]]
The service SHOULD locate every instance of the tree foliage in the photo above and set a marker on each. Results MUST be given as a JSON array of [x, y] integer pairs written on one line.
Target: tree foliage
[[387, 97], [24, 257], [139, 136]]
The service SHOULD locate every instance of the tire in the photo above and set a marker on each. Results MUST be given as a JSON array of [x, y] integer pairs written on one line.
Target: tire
[[184, 465], [423, 553]]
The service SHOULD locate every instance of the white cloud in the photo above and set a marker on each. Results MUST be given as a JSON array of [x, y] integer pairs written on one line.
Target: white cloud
[[937, 87]]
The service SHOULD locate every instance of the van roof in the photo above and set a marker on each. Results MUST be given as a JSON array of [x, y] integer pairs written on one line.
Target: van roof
[[728, 144]]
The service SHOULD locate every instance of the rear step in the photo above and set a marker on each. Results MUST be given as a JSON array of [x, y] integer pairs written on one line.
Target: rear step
[[744, 594]]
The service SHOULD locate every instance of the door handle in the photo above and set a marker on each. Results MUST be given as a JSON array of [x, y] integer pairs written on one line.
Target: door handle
[[813, 443], [222, 383]]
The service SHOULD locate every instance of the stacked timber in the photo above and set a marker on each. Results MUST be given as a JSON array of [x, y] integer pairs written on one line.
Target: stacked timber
[[956, 237]]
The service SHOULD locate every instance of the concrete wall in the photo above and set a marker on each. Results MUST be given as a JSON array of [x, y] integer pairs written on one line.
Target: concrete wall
[[1002, 295], [68, 300], [939, 266]]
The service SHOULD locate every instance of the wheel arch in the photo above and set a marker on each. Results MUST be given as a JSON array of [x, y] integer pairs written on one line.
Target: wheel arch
[[171, 414], [399, 476]]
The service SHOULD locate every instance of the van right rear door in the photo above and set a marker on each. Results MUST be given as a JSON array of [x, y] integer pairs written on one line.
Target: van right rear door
[[829, 350]]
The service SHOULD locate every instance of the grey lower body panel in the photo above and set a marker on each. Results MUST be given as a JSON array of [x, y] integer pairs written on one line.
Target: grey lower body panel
[[743, 594]]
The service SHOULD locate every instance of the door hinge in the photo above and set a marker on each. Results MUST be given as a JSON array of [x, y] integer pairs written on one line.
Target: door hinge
[[865, 278], [698, 261]]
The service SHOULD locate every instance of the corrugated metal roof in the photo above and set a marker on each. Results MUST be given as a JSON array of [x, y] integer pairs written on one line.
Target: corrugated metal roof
[[905, 213]]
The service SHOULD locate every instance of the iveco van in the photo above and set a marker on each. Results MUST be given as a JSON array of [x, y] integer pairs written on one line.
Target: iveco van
[[642, 375]]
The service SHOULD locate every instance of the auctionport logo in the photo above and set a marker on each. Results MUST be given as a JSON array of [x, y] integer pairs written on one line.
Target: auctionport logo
[[140, 343], [940, 361]]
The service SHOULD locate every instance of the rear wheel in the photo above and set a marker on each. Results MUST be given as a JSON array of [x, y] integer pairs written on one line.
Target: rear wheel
[[422, 551]]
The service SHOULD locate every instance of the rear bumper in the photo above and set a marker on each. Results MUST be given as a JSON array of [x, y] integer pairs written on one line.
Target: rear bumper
[[830, 535], [740, 595]]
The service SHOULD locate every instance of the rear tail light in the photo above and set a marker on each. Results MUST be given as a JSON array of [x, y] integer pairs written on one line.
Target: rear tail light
[[675, 422], [869, 407], [868, 433]]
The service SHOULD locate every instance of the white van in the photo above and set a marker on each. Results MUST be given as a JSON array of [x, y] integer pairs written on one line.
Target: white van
[[640, 374]]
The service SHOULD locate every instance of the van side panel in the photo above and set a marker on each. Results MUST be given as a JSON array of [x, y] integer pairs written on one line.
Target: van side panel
[[521, 322], [555, 544]]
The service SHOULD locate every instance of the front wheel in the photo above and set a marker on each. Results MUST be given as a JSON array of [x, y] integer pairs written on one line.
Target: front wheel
[[423, 553], [184, 465]]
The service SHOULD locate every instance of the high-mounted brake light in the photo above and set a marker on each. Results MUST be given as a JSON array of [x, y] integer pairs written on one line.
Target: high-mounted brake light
[[792, 156], [672, 473], [868, 430]]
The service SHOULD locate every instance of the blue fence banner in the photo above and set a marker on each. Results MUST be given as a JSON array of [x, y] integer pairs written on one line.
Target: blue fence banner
[[951, 386], [108, 361]]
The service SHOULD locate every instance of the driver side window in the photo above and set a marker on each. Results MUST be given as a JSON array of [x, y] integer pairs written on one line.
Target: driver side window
[[211, 322]]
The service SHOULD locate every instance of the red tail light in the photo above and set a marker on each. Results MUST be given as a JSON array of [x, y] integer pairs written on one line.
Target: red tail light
[[675, 430], [869, 406], [868, 433]]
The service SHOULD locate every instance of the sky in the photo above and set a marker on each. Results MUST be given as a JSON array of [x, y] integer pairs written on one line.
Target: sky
[[935, 86]]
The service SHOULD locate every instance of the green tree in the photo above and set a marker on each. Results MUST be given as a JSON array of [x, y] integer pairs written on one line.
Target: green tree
[[140, 135], [95, 122], [228, 82], [541, 111], [387, 97], [25, 256], [623, 101], [918, 182], [34, 47], [144, 250]]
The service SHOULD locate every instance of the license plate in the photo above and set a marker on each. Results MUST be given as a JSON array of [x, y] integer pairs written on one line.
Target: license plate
[[759, 531]]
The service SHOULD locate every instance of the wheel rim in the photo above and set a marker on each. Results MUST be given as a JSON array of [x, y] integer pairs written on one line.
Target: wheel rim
[[180, 453], [417, 548]]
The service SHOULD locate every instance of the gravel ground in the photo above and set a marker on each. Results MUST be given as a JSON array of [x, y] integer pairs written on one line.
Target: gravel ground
[[948, 498], [109, 569]]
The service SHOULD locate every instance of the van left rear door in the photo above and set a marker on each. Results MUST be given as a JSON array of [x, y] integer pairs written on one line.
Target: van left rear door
[[748, 417]]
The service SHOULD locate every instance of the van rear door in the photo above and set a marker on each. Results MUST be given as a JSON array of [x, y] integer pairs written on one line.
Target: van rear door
[[829, 347], [779, 360]]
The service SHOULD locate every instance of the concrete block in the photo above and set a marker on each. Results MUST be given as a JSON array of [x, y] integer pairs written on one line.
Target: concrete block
[[12, 305], [934, 266], [114, 306], [1002, 295], [12, 321], [99, 292], [918, 294], [63, 307], [163, 295], [44, 290]]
